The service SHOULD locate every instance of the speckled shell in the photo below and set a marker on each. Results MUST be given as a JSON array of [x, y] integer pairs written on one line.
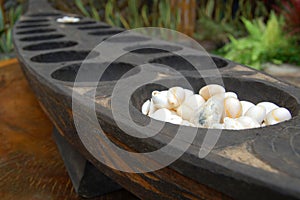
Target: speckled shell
[[210, 90], [190, 106], [210, 112]]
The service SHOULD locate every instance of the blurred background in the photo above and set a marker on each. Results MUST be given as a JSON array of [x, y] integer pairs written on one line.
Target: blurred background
[[259, 33]]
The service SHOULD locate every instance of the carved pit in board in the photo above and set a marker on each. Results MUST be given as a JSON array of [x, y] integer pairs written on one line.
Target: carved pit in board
[[181, 63], [35, 31], [79, 23], [127, 39], [106, 32], [42, 37], [50, 45], [152, 49], [64, 56], [45, 15], [32, 26], [113, 72], [32, 21], [104, 26]]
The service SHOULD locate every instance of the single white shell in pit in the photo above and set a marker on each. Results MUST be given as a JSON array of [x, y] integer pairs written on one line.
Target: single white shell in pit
[[231, 94], [232, 107], [190, 106], [257, 112], [269, 106], [246, 105], [277, 115], [68, 19], [176, 96], [210, 90], [160, 99]]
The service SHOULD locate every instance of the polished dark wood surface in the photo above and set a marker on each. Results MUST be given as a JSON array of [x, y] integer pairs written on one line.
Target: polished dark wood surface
[[30, 165]]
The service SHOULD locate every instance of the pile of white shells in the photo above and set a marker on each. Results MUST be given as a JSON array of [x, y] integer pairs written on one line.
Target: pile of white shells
[[213, 107]]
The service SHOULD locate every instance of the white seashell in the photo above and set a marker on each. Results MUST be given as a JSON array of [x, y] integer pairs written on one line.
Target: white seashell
[[269, 106], [185, 111], [161, 114], [166, 115], [257, 112], [248, 122], [210, 90], [160, 99], [246, 105], [188, 92], [68, 19], [174, 119], [210, 112], [263, 124], [190, 106], [232, 107], [232, 124], [146, 107], [231, 94], [152, 108], [187, 123], [176, 96], [217, 126], [277, 115]]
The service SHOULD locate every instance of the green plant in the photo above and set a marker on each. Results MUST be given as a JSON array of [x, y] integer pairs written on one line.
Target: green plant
[[132, 13], [217, 19], [7, 20], [264, 43]]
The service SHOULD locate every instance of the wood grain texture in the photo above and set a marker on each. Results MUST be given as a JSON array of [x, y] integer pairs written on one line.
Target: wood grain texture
[[30, 165]]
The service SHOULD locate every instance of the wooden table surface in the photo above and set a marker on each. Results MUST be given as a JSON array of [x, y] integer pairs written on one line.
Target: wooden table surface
[[30, 165]]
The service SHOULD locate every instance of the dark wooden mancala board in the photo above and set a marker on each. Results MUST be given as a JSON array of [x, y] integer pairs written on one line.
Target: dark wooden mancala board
[[261, 163]]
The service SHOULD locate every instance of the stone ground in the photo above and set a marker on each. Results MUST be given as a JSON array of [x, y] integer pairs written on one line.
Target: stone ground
[[285, 72]]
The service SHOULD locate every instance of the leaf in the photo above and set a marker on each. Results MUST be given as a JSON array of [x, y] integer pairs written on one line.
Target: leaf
[[252, 28], [124, 22], [210, 8], [81, 7], [145, 15], [94, 11]]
